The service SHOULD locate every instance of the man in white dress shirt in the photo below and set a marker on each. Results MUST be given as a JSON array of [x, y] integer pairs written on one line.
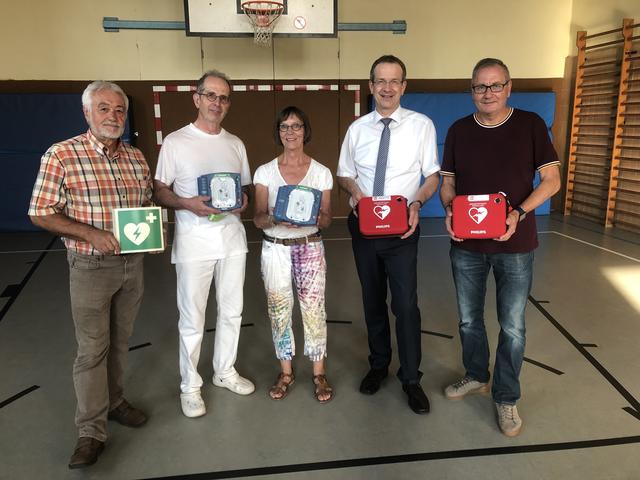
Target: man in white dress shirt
[[412, 154]]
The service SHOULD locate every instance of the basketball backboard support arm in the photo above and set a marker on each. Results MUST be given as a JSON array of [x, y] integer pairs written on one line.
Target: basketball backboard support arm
[[114, 24]]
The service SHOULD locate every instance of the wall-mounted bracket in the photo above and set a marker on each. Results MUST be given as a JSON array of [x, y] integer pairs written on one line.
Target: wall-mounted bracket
[[113, 24]]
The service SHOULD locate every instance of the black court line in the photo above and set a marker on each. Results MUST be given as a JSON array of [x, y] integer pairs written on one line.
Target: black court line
[[631, 411], [407, 458], [346, 322], [10, 291], [6, 402], [542, 365], [589, 345], [436, 334], [241, 326], [142, 345], [635, 405], [23, 283]]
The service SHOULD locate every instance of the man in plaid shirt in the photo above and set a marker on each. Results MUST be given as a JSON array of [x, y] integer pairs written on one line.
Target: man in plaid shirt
[[80, 182]]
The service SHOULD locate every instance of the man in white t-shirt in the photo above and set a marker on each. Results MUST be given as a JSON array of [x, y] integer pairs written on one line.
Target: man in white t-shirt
[[208, 243]]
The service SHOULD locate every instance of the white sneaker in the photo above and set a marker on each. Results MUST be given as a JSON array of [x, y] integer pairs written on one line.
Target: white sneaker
[[508, 419], [192, 404], [463, 387], [235, 383]]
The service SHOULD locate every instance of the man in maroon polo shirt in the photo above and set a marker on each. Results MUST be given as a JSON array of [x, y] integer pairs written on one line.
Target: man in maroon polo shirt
[[496, 149]]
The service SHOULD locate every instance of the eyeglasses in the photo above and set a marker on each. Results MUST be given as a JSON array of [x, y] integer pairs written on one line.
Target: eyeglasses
[[379, 83], [106, 110], [495, 88], [283, 127], [212, 97]]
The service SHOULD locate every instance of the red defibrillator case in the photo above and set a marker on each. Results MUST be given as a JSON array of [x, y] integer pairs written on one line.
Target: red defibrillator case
[[383, 216], [479, 216]]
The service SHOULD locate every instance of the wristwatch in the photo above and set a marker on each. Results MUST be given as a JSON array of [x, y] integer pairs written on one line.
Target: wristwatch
[[521, 213]]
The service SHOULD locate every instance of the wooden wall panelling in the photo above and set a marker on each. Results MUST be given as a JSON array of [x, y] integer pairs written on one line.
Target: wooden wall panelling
[[352, 92], [322, 108], [330, 107], [252, 113]]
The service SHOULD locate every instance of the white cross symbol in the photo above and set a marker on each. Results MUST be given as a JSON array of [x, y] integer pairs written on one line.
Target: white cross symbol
[[150, 217]]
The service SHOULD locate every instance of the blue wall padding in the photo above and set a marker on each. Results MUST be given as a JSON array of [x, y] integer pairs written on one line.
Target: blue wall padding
[[29, 125], [446, 108], [20, 170]]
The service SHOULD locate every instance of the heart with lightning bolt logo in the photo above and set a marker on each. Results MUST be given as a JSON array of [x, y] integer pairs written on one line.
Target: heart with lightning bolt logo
[[478, 214], [381, 211], [137, 233]]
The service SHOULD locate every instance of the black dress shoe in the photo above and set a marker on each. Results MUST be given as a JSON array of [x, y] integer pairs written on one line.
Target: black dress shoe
[[418, 401], [372, 380], [128, 415], [86, 453]]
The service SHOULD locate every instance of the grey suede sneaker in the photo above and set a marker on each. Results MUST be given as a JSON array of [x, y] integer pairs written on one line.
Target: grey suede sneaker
[[466, 385], [508, 419]]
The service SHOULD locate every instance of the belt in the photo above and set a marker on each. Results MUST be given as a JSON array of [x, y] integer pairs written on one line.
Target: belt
[[314, 237]]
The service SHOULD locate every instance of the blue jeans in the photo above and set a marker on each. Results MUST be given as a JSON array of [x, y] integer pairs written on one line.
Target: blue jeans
[[513, 273]]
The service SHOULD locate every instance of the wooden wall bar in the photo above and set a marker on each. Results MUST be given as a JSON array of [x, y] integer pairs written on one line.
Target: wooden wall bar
[[603, 172]]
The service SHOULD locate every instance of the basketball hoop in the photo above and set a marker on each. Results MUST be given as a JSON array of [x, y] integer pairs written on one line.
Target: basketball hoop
[[263, 17]]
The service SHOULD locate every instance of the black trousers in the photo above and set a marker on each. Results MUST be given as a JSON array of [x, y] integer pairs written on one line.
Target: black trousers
[[391, 260]]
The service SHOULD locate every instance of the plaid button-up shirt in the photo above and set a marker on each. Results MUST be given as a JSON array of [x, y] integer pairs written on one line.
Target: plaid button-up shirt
[[78, 179]]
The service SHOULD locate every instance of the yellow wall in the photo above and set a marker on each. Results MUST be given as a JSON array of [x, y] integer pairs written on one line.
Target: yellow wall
[[445, 38], [597, 16], [64, 40]]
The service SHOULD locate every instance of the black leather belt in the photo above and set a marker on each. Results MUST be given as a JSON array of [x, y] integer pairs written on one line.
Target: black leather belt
[[315, 237]]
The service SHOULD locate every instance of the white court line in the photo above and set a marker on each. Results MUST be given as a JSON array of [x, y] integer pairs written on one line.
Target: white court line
[[342, 239], [594, 245]]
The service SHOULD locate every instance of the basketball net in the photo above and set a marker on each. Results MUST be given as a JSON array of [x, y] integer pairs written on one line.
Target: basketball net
[[263, 17]]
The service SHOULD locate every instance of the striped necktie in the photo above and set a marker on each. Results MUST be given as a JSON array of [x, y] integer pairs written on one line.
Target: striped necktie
[[381, 164]]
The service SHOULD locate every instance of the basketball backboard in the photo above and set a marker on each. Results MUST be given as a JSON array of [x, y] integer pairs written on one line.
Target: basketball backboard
[[225, 18]]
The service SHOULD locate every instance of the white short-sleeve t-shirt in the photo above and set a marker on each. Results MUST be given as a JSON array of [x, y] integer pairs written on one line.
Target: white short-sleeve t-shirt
[[318, 176], [185, 155]]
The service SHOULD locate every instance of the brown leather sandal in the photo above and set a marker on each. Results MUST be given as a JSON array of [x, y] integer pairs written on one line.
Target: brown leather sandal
[[280, 389], [322, 388]]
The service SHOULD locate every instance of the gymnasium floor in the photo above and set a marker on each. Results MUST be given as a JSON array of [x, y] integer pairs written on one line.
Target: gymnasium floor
[[580, 381]]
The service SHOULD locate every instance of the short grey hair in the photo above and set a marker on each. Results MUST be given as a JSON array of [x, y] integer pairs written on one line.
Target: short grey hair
[[490, 62], [98, 85], [214, 74]]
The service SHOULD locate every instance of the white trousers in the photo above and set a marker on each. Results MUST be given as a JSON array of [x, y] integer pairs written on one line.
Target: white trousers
[[194, 283]]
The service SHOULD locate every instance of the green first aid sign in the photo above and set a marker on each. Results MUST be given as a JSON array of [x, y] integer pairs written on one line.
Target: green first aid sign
[[138, 229]]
